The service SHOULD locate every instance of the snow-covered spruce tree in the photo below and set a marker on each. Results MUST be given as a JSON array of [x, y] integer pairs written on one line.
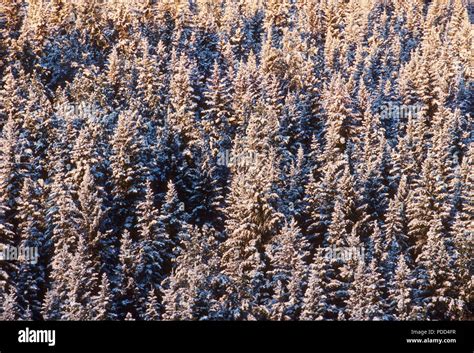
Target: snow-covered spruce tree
[[294, 191], [84, 154], [400, 299], [128, 168], [461, 232], [315, 305], [126, 295], [458, 30], [172, 223], [190, 292], [10, 184], [101, 303], [409, 154], [32, 272], [319, 199], [338, 107], [277, 18], [288, 277], [245, 92], [10, 167], [435, 275], [152, 312], [365, 296], [152, 80], [271, 73], [54, 302], [423, 206], [63, 232], [377, 244], [215, 119], [209, 183], [338, 276], [252, 220], [13, 95], [396, 226], [10, 310], [114, 80], [64, 221], [153, 246], [80, 284], [183, 99], [184, 26], [373, 166], [333, 34], [446, 140], [95, 219], [35, 129]]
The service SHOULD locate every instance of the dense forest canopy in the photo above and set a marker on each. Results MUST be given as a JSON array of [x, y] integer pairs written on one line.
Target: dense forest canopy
[[236, 160]]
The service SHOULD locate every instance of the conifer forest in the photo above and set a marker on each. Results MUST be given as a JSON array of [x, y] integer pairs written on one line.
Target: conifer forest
[[236, 160]]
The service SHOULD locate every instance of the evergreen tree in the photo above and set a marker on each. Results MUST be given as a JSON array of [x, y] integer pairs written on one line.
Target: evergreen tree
[[10, 310], [152, 307], [288, 275], [153, 244], [217, 114], [365, 298], [252, 219], [32, 272], [190, 292], [340, 118], [128, 169], [127, 294], [172, 223], [401, 291], [315, 302], [102, 303], [80, 284], [435, 274], [183, 111]]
